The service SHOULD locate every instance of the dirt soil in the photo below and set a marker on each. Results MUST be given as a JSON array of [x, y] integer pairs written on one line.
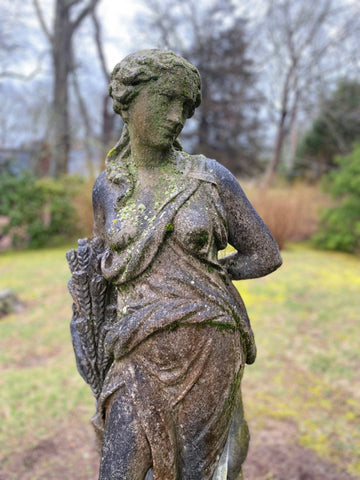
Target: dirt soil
[[275, 455], [71, 455]]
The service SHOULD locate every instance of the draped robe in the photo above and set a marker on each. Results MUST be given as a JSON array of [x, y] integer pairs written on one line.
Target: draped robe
[[182, 334]]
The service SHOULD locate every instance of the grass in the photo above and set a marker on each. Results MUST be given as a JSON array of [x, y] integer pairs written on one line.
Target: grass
[[305, 318], [39, 384]]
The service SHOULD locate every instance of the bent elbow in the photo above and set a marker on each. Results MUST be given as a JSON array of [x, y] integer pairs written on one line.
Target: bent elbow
[[274, 261]]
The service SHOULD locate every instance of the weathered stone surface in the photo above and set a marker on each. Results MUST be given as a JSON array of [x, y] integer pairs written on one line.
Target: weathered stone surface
[[159, 331]]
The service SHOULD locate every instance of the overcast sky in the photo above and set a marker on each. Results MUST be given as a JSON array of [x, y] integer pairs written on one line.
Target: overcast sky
[[118, 18]]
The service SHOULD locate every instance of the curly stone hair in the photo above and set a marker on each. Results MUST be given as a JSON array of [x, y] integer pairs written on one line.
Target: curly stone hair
[[141, 67]]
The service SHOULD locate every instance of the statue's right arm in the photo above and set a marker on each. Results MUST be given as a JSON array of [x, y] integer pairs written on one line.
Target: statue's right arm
[[257, 253]]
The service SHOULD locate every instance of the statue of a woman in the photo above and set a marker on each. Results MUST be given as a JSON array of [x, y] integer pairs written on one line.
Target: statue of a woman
[[169, 403]]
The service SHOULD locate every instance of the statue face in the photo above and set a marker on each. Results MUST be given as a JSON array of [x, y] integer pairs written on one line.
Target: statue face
[[158, 113]]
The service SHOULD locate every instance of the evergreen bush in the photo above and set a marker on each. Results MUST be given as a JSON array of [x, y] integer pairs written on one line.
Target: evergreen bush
[[40, 211], [339, 227]]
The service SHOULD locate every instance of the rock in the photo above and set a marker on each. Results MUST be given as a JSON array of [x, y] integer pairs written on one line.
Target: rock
[[9, 303]]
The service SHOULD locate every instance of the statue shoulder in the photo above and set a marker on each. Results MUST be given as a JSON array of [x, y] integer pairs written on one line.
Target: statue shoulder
[[219, 174], [222, 174], [201, 167], [100, 185], [103, 199], [103, 190]]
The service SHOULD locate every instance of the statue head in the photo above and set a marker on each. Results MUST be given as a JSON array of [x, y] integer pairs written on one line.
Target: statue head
[[163, 71], [156, 66]]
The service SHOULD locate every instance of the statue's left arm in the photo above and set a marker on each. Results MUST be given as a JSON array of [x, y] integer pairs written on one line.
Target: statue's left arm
[[257, 253]]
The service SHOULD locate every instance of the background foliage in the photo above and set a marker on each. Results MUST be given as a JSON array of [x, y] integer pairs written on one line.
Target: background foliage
[[39, 211], [333, 132], [339, 227]]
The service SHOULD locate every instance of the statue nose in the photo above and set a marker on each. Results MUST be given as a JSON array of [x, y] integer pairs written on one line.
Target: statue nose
[[175, 115]]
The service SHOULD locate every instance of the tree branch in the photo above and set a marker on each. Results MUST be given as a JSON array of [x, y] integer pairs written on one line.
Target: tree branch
[[41, 19], [23, 76], [87, 123], [83, 14], [99, 46], [18, 76], [70, 3]]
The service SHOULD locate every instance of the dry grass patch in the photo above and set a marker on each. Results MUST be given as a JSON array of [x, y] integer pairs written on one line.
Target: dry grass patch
[[290, 212], [82, 203]]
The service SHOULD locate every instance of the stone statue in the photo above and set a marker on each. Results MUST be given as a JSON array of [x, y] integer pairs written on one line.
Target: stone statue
[[159, 331]]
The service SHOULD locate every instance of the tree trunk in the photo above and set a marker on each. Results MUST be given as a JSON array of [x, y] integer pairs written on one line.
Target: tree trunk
[[274, 164], [60, 40], [281, 131], [62, 65], [108, 122], [108, 115]]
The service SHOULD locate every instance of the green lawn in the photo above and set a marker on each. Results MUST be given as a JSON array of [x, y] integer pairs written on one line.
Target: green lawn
[[306, 321], [305, 318], [39, 384]]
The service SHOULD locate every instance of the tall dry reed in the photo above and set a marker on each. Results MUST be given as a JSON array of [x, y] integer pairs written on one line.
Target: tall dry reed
[[290, 212]]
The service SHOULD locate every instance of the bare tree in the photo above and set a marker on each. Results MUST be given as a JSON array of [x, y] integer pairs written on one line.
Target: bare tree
[[303, 44], [213, 36], [108, 115], [22, 87], [69, 15]]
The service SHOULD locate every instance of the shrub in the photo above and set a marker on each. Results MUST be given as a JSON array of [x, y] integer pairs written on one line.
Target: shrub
[[39, 210], [290, 212], [339, 227], [333, 132], [82, 203]]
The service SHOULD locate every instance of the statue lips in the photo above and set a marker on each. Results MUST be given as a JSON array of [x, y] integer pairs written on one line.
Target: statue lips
[[170, 133], [173, 130]]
